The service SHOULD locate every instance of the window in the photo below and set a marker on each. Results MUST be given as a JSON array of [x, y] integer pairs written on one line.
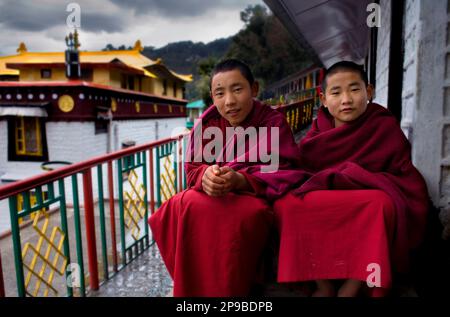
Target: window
[[46, 73], [26, 140], [164, 87], [175, 90], [87, 74], [123, 81], [131, 82], [101, 126]]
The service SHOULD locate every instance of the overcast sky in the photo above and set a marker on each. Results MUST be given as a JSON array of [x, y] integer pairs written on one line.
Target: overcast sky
[[41, 24]]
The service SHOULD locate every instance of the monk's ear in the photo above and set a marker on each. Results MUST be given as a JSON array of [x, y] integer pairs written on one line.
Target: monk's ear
[[255, 89], [323, 99], [370, 89]]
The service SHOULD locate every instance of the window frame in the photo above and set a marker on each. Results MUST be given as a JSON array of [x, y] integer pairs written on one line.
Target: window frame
[[15, 153]]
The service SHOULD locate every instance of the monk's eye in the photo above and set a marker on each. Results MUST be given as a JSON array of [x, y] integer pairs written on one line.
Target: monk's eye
[[218, 94], [239, 89], [335, 93], [356, 89]]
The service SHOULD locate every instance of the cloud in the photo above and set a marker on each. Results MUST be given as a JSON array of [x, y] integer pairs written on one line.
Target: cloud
[[182, 8], [40, 16], [41, 24]]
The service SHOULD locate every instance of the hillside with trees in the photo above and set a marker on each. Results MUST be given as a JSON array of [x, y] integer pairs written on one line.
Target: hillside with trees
[[263, 43]]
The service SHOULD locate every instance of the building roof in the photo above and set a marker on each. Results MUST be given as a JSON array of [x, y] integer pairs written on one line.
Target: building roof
[[198, 104], [131, 58], [80, 83]]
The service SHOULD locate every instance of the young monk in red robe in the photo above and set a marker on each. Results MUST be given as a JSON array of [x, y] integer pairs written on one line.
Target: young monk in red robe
[[364, 205], [211, 236]]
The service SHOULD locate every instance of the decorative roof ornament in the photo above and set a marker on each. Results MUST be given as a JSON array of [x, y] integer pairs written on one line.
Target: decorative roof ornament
[[138, 46], [72, 41], [22, 48]]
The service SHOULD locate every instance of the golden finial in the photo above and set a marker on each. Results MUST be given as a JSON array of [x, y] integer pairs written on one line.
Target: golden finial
[[72, 41], [75, 40], [22, 48], [138, 46]]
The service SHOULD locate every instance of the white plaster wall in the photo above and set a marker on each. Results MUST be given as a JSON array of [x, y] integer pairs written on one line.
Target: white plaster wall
[[412, 27], [383, 45]]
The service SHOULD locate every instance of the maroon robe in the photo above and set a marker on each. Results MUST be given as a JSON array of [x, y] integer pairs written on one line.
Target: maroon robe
[[337, 234], [212, 246]]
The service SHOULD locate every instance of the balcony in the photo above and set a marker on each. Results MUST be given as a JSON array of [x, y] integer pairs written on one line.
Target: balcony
[[81, 230]]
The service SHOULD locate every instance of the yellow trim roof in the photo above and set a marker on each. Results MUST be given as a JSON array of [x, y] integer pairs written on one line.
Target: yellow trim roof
[[132, 58]]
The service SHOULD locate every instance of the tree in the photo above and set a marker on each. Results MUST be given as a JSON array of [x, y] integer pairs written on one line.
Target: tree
[[205, 67], [267, 47]]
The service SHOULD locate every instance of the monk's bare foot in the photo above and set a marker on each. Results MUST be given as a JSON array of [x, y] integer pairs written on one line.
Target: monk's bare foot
[[324, 289], [350, 288]]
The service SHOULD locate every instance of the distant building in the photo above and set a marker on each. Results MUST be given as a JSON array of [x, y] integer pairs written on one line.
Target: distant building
[[194, 111], [297, 87], [120, 98]]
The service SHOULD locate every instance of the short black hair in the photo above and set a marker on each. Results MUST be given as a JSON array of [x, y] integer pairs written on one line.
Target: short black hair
[[232, 64], [344, 66]]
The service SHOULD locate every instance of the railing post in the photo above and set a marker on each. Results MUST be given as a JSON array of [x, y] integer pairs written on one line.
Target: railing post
[[90, 229], [2, 285], [152, 181], [180, 167], [122, 212], [15, 230], [112, 215], [158, 178]]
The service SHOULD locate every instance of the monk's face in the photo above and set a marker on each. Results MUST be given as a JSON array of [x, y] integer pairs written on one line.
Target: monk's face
[[233, 95], [346, 96]]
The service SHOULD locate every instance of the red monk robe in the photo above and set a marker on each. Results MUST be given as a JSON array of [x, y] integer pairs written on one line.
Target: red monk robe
[[332, 226], [212, 246]]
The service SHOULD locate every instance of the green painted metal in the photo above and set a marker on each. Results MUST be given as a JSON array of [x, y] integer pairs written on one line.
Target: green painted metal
[[174, 151], [79, 243], [122, 221], [139, 160], [145, 182], [184, 160], [63, 215], [15, 230], [101, 206], [124, 164]]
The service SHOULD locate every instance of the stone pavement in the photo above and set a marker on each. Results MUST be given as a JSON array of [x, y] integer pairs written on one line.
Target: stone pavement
[[146, 276]]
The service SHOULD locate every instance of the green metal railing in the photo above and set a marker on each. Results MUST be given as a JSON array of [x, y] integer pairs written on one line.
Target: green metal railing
[[48, 230]]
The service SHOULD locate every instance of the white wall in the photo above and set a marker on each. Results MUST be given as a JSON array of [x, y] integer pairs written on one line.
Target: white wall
[[383, 46], [410, 65], [143, 131]]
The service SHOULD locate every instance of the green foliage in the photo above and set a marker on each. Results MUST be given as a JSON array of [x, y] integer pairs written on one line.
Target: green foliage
[[266, 45], [202, 85]]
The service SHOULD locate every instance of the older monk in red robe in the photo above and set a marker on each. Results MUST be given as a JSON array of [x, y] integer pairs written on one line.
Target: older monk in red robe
[[211, 236]]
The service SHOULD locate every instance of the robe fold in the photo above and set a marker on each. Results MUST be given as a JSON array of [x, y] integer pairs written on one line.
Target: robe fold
[[212, 246], [363, 202]]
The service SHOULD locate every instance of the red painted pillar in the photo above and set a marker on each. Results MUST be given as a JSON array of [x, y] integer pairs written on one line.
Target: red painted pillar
[[90, 229], [112, 216]]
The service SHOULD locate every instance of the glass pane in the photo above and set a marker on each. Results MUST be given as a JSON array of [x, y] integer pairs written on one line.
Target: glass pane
[[31, 137]]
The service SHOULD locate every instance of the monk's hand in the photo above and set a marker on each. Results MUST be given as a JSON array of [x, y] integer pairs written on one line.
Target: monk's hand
[[234, 180], [213, 184]]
